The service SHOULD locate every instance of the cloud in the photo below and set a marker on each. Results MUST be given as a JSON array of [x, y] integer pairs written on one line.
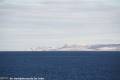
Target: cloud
[[25, 23]]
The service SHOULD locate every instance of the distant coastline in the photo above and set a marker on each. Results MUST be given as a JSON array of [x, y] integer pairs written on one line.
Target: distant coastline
[[74, 47]]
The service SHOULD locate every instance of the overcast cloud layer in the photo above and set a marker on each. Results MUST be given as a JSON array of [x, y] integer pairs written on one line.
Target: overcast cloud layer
[[31, 23]]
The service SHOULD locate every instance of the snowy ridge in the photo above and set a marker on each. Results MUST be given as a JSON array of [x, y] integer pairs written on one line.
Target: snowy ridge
[[66, 47]]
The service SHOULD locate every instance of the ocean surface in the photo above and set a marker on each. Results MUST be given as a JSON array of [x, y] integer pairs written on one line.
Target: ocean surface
[[60, 65]]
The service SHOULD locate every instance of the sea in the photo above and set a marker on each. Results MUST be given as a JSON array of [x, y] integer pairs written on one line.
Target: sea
[[60, 65]]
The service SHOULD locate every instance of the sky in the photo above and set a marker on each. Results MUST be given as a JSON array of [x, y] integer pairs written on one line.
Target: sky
[[31, 23]]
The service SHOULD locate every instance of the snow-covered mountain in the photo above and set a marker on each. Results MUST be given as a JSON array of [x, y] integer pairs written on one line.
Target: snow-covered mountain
[[66, 47], [106, 47]]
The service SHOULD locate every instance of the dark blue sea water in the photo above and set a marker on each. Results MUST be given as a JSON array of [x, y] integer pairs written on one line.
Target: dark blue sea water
[[55, 65]]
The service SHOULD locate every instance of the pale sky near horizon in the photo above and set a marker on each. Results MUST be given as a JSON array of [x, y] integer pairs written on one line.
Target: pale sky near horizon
[[31, 23]]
